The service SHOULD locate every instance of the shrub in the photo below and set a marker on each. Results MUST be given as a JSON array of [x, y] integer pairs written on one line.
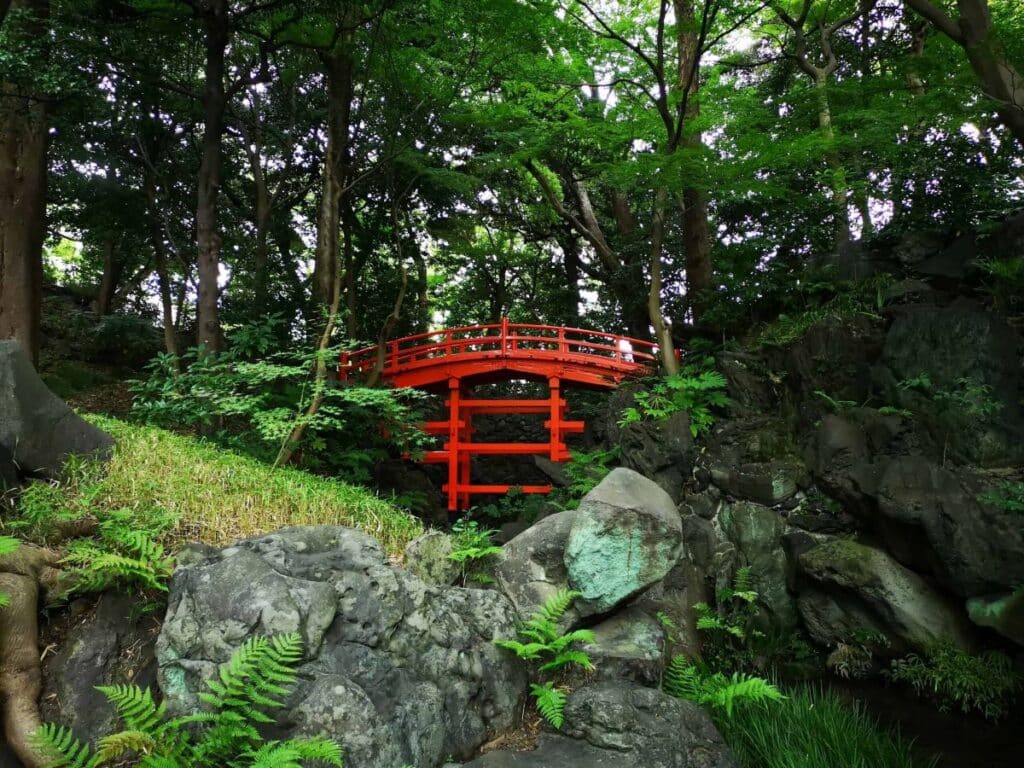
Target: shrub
[[695, 391], [812, 728], [7, 547], [1008, 496], [255, 680], [956, 679], [730, 626]]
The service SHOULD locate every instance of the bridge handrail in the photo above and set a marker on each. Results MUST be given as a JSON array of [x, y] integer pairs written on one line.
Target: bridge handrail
[[511, 339]]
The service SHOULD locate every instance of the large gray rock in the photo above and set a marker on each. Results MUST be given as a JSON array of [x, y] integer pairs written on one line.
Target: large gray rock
[[429, 557], [111, 645], [398, 671], [531, 567], [38, 428], [660, 450], [854, 587], [8, 470], [757, 532], [629, 646], [623, 725], [626, 535]]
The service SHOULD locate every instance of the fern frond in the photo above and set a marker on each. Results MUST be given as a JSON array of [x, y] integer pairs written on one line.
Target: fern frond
[[528, 651], [568, 657], [556, 605], [118, 744], [135, 706], [550, 703], [743, 688], [7, 545], [60, 748]]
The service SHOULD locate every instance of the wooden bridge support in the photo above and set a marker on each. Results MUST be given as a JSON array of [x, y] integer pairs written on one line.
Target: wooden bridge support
[[458, 449]]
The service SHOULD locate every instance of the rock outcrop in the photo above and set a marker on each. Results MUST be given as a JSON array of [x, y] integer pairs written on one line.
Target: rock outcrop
[[400, 671]]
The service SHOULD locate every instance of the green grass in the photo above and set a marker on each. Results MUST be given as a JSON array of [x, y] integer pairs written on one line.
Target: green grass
[[812, 728], [185, 489]]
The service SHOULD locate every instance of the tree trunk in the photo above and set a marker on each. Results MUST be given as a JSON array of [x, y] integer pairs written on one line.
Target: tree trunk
[[111, 276], [23, 145], [662, 330], [215, 25], [339, 69], [162, 274], [837, 174], [696, 230]]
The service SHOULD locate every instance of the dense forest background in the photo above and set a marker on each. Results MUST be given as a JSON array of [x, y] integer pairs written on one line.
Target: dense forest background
[[680, 168]]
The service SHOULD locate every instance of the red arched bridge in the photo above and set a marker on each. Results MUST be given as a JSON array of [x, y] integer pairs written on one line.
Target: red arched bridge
[[454, 360]]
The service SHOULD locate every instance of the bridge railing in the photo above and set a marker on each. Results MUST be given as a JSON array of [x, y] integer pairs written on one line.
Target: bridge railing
[[505, 340]]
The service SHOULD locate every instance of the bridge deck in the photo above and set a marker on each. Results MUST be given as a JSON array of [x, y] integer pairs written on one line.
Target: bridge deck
[[455, 359]]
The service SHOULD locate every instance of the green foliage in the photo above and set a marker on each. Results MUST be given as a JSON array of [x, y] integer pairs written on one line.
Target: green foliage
[[1005, 281], [543, 640], [967, 396], [813, 728], [471, 548], [731, 625], [837, 406], [514, 505], [693, 682], [226, 735], [697, 392], [251, 398], [550, 703], [585, 470], [957, 679], [1008, 496], [120, 555]]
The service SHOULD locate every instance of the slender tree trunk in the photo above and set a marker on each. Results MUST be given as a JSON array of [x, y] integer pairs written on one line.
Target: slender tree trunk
[[215, 26], [23, 146], [162, 273], [696, 229], [339, 70], [662, 330], [571, 264], [111, 277], [837, 174]]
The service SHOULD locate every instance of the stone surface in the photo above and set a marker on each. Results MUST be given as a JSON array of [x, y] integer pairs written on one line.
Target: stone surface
[[855, 587], [756, 532], [1003, 613], [399, 671], [38, 429], [629, 646], [950, 345], [531, 567], [8, 470], [769, 483], [112, 645], [662, 451], [623, 725], [428, 558], [626, 535]]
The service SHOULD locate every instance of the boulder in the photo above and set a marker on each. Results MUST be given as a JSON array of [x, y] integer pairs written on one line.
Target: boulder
[[8, 470], [770, 483], [38, 428], [961, 348], [629, 646], [626, 535], [399, 671], [428, 557], [853, 587], [660, 450], [531, 567], [112, 645], [930, 519], [757, 532], [1003, 613], [623, 725], [674, 597]]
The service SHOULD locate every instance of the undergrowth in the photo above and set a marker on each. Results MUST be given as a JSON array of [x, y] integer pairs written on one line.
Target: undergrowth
[[812, 728], [226, 735]]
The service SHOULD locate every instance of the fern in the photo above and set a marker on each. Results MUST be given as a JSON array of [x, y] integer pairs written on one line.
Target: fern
[[255, 679], [544, 638], [550, 703], [119, 557], [686, 680]]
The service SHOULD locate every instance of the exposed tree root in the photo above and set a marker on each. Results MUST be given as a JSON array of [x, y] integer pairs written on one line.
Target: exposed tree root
[[25, 575]]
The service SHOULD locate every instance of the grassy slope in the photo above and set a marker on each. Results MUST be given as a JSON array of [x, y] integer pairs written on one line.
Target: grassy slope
[[215, 496]]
